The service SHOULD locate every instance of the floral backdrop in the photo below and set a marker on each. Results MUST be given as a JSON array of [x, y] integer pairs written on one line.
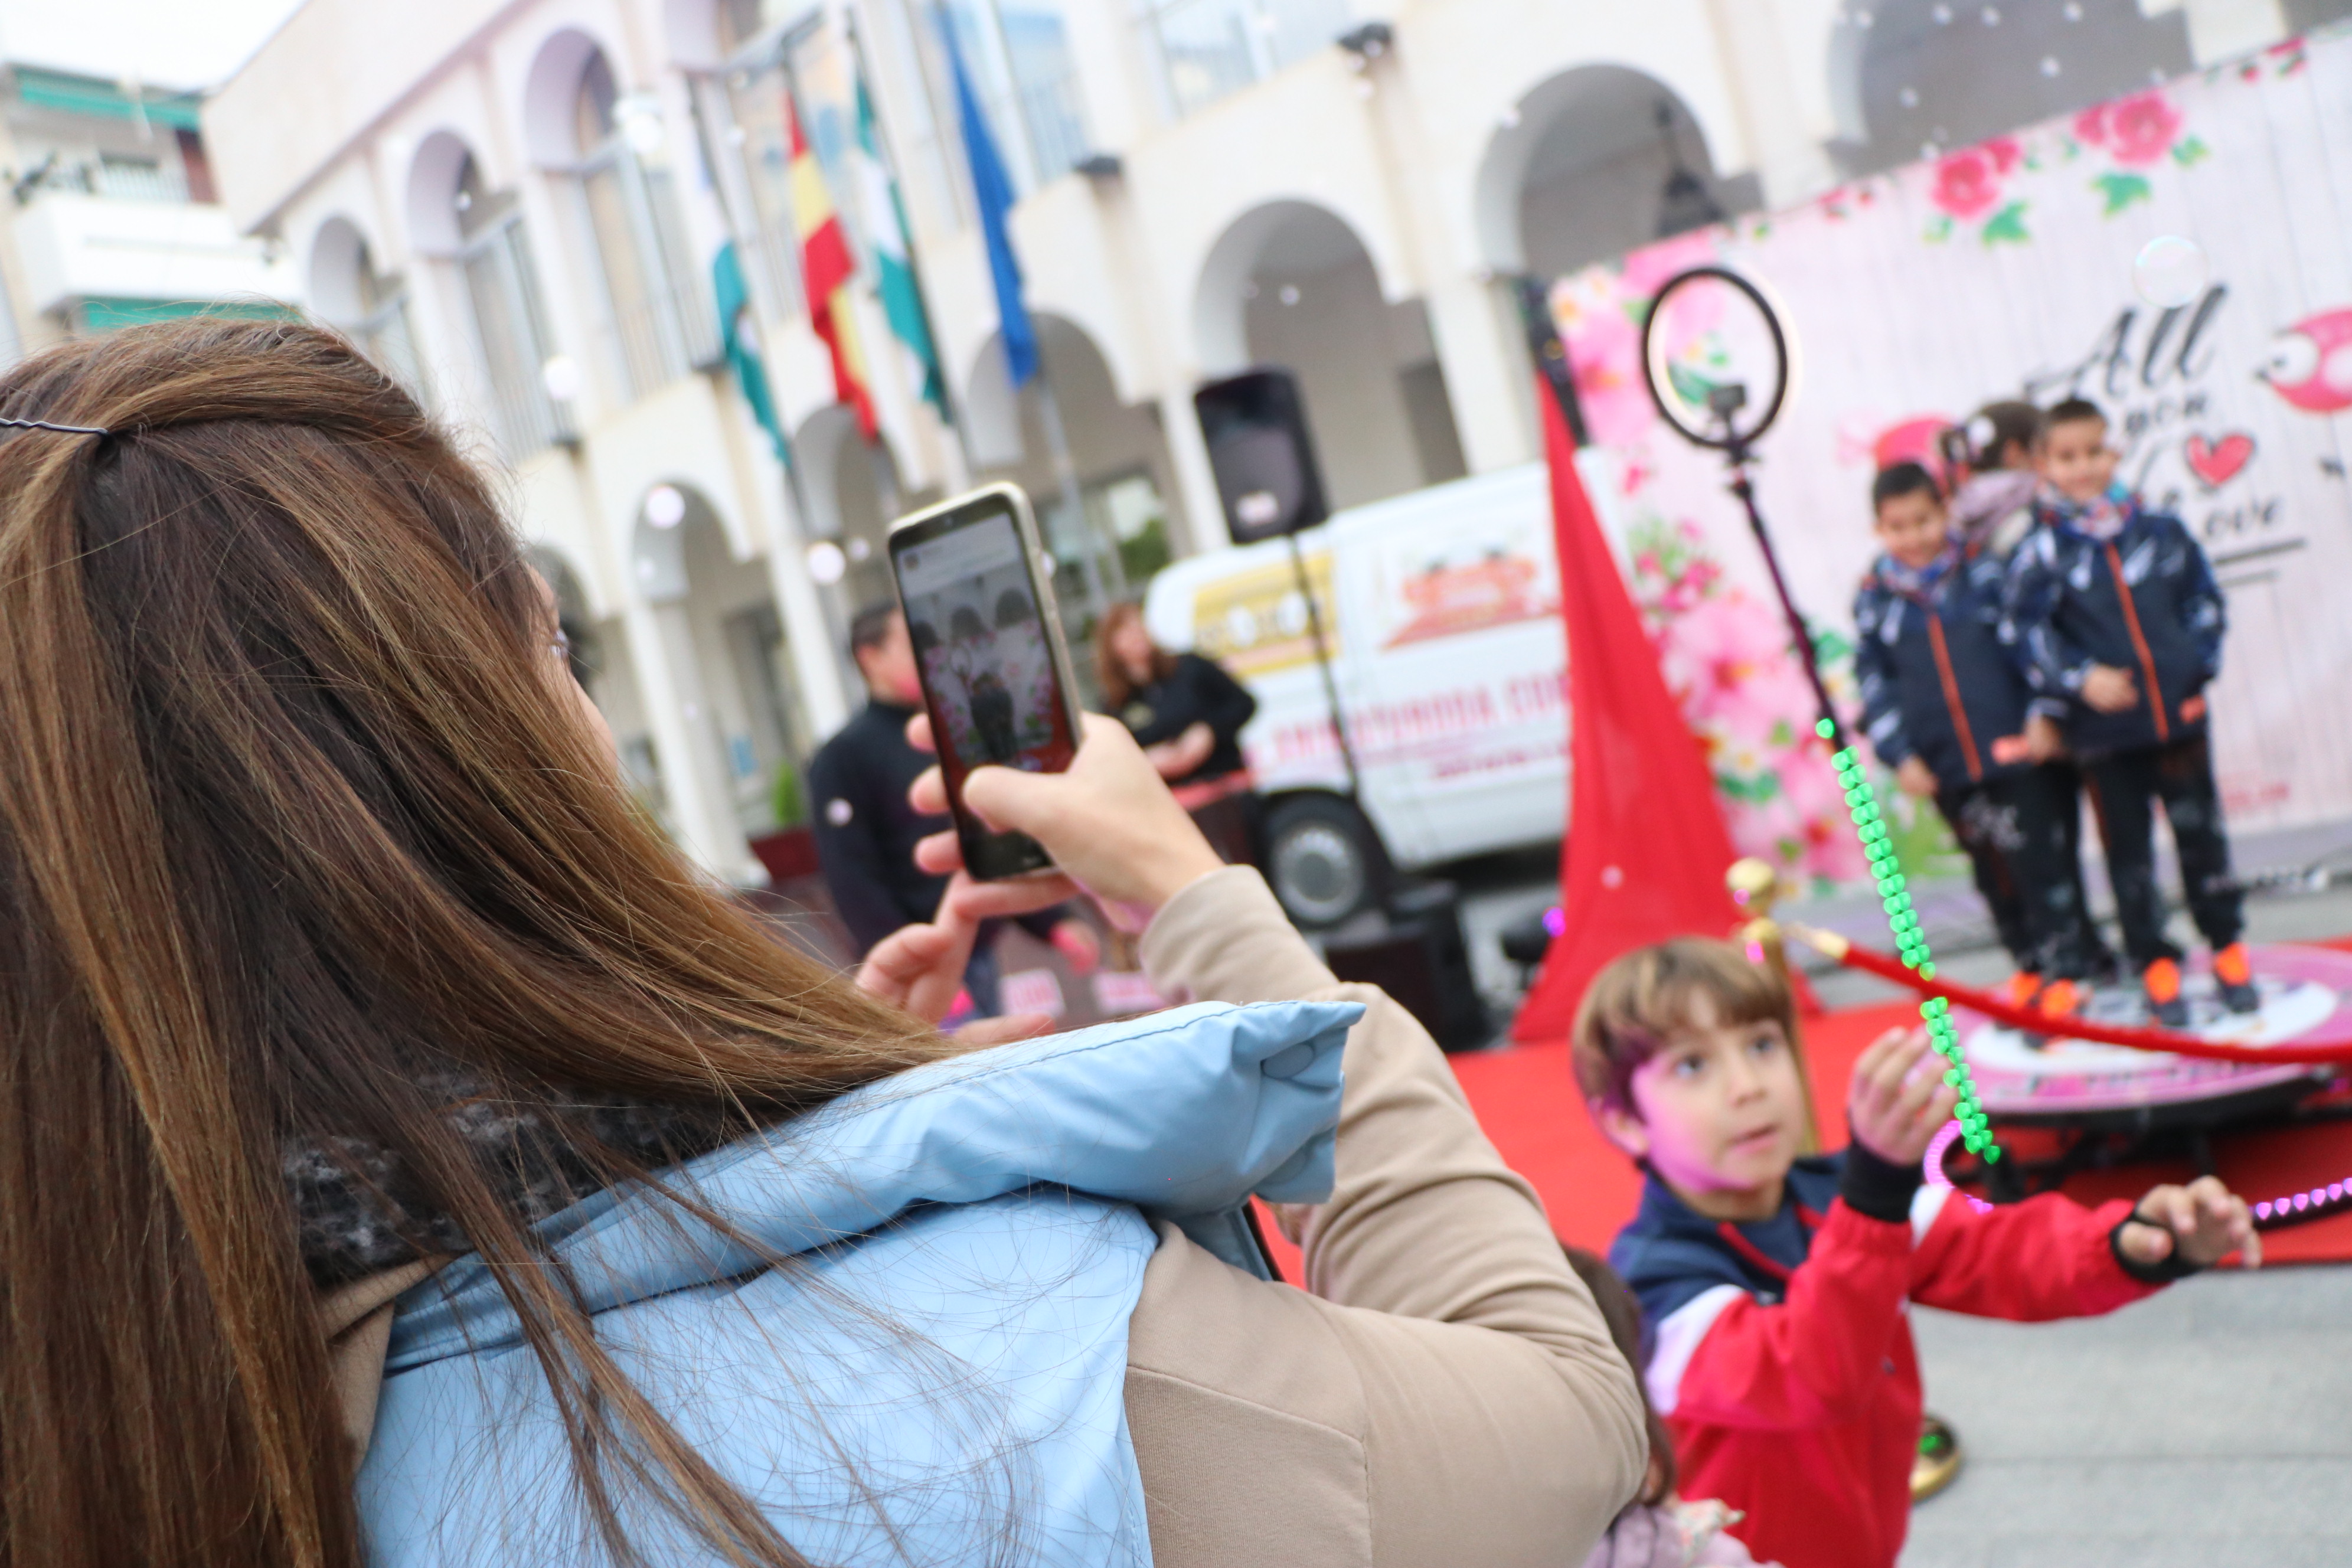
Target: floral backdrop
[[2001, 271]]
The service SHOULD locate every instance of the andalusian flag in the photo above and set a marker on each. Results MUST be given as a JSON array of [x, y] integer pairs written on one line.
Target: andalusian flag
[[886, 240], [827, 270]]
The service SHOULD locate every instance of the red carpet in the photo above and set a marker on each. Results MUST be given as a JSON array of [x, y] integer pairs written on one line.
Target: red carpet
[[1528, 1100]]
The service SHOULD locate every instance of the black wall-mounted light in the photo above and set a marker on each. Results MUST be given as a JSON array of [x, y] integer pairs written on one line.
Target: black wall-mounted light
[[1369, 42]]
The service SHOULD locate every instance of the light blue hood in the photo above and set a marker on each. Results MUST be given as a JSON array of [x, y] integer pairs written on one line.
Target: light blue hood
[[938, 1377]]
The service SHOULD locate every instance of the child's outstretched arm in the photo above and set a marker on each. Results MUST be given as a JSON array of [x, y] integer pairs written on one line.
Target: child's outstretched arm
[[1815, 1358], [2051, 1256]]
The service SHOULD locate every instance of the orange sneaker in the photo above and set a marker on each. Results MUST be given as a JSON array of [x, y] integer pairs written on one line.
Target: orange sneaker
[[2021, 988], [2162, 980], [2059, 999], [2233, 976]]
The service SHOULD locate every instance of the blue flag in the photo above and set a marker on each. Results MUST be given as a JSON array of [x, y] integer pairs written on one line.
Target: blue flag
[[992, 191]]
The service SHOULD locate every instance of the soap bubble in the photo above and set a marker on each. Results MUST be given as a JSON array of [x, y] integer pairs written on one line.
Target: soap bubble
[[2170, 271]]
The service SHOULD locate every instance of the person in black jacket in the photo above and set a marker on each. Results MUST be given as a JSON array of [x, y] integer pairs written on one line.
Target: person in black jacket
[[867, 829], [2119, 618], [1188, 715], [1946, 706]]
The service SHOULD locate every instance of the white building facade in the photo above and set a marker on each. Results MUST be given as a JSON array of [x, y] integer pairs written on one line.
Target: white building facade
[[516, 207]]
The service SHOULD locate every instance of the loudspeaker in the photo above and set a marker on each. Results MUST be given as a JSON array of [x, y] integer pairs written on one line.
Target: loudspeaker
[[1420, 960], [1256, 426]]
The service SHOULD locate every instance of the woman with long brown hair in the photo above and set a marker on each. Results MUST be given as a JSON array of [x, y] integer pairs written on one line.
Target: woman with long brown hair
[[347, 1012]]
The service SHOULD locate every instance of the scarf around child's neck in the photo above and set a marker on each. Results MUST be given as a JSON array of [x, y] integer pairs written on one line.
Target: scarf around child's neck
[[2101, 518], [1919, 582]]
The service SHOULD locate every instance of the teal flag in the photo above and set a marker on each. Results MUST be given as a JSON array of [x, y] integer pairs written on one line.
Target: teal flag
[[887, 246], [751, 375]]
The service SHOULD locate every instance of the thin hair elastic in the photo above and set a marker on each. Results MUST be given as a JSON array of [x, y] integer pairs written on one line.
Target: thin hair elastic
[[60, 429]]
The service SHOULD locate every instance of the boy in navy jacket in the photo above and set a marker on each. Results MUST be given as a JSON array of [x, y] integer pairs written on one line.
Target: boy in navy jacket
[[2118, 615], [1782, 1358], [1946, 707]]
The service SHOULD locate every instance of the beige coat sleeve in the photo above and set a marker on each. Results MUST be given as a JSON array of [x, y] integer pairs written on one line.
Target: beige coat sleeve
[[1446, 1393]]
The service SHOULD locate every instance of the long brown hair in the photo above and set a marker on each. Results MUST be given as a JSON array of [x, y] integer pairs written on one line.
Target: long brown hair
[[1109, 673], [291, 812]]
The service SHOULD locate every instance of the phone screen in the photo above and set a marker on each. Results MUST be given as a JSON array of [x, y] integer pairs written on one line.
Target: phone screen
[[991, 680]]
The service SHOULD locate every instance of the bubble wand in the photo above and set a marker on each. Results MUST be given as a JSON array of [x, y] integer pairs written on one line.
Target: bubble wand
[[1699, 398]]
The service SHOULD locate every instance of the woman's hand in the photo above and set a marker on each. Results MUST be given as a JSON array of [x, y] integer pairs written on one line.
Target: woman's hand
[[920, 968], [1110, 822]]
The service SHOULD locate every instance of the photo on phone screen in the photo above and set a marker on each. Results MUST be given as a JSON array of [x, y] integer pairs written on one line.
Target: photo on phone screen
[[988, 651]]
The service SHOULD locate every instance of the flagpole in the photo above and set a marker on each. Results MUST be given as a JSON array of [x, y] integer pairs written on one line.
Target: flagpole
[[888, 154], [784, 437]]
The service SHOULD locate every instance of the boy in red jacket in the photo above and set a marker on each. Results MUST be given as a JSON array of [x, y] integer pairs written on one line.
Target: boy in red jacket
[[1782, 1358]]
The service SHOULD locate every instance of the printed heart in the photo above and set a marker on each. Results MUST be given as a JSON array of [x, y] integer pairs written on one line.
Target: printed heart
[[2216, 463]]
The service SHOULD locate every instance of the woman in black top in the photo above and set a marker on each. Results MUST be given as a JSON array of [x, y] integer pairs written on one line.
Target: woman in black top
[[1188, 715]]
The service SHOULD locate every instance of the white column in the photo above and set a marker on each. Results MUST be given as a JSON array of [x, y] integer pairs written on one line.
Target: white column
[[809, 631], [1485, 370], [693, 766], [1196, 482], [1790, 161]]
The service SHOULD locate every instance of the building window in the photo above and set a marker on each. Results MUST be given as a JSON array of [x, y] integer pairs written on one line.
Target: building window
[[1017, 53], [659, 323], [1210, 47], [510, 326]]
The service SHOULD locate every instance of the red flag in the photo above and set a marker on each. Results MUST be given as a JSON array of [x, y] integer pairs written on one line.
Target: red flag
[[1646, 846], [828, 269]]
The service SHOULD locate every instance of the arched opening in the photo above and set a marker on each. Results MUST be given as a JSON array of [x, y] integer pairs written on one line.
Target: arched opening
[[1591, 163], [1913, 79], [608, 152], [741, 719], [854, 494], [368, 307], [478, 234], [1116, 451], [1290, 285]]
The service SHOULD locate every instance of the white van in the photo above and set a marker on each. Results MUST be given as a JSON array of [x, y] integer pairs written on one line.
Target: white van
[[1441, 611]]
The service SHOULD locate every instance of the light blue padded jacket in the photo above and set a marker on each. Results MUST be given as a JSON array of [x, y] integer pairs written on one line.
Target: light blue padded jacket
[[938, 1375]]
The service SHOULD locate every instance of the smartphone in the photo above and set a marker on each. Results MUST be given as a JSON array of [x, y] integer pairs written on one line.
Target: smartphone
[[988, 642]]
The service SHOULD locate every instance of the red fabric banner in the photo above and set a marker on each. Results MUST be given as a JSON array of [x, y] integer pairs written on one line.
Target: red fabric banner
[[1646, 846]]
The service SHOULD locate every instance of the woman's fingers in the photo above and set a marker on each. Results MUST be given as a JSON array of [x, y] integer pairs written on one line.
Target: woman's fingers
[[901, 958], [978, 901], [918, 733], [929, 793]]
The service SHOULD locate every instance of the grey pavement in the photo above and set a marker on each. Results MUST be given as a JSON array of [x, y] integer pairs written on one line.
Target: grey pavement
[[2207, 1425]]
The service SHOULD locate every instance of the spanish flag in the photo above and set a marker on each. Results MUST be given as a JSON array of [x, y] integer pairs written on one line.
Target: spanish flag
[[828, 269]]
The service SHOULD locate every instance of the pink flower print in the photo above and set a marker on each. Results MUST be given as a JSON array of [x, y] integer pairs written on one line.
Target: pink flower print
[[1647, 270], [1967, 184], [2135, 130], [2140, 127]]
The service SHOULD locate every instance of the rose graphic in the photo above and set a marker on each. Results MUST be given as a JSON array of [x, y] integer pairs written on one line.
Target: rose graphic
[[1967, 184], [2135, 130]]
